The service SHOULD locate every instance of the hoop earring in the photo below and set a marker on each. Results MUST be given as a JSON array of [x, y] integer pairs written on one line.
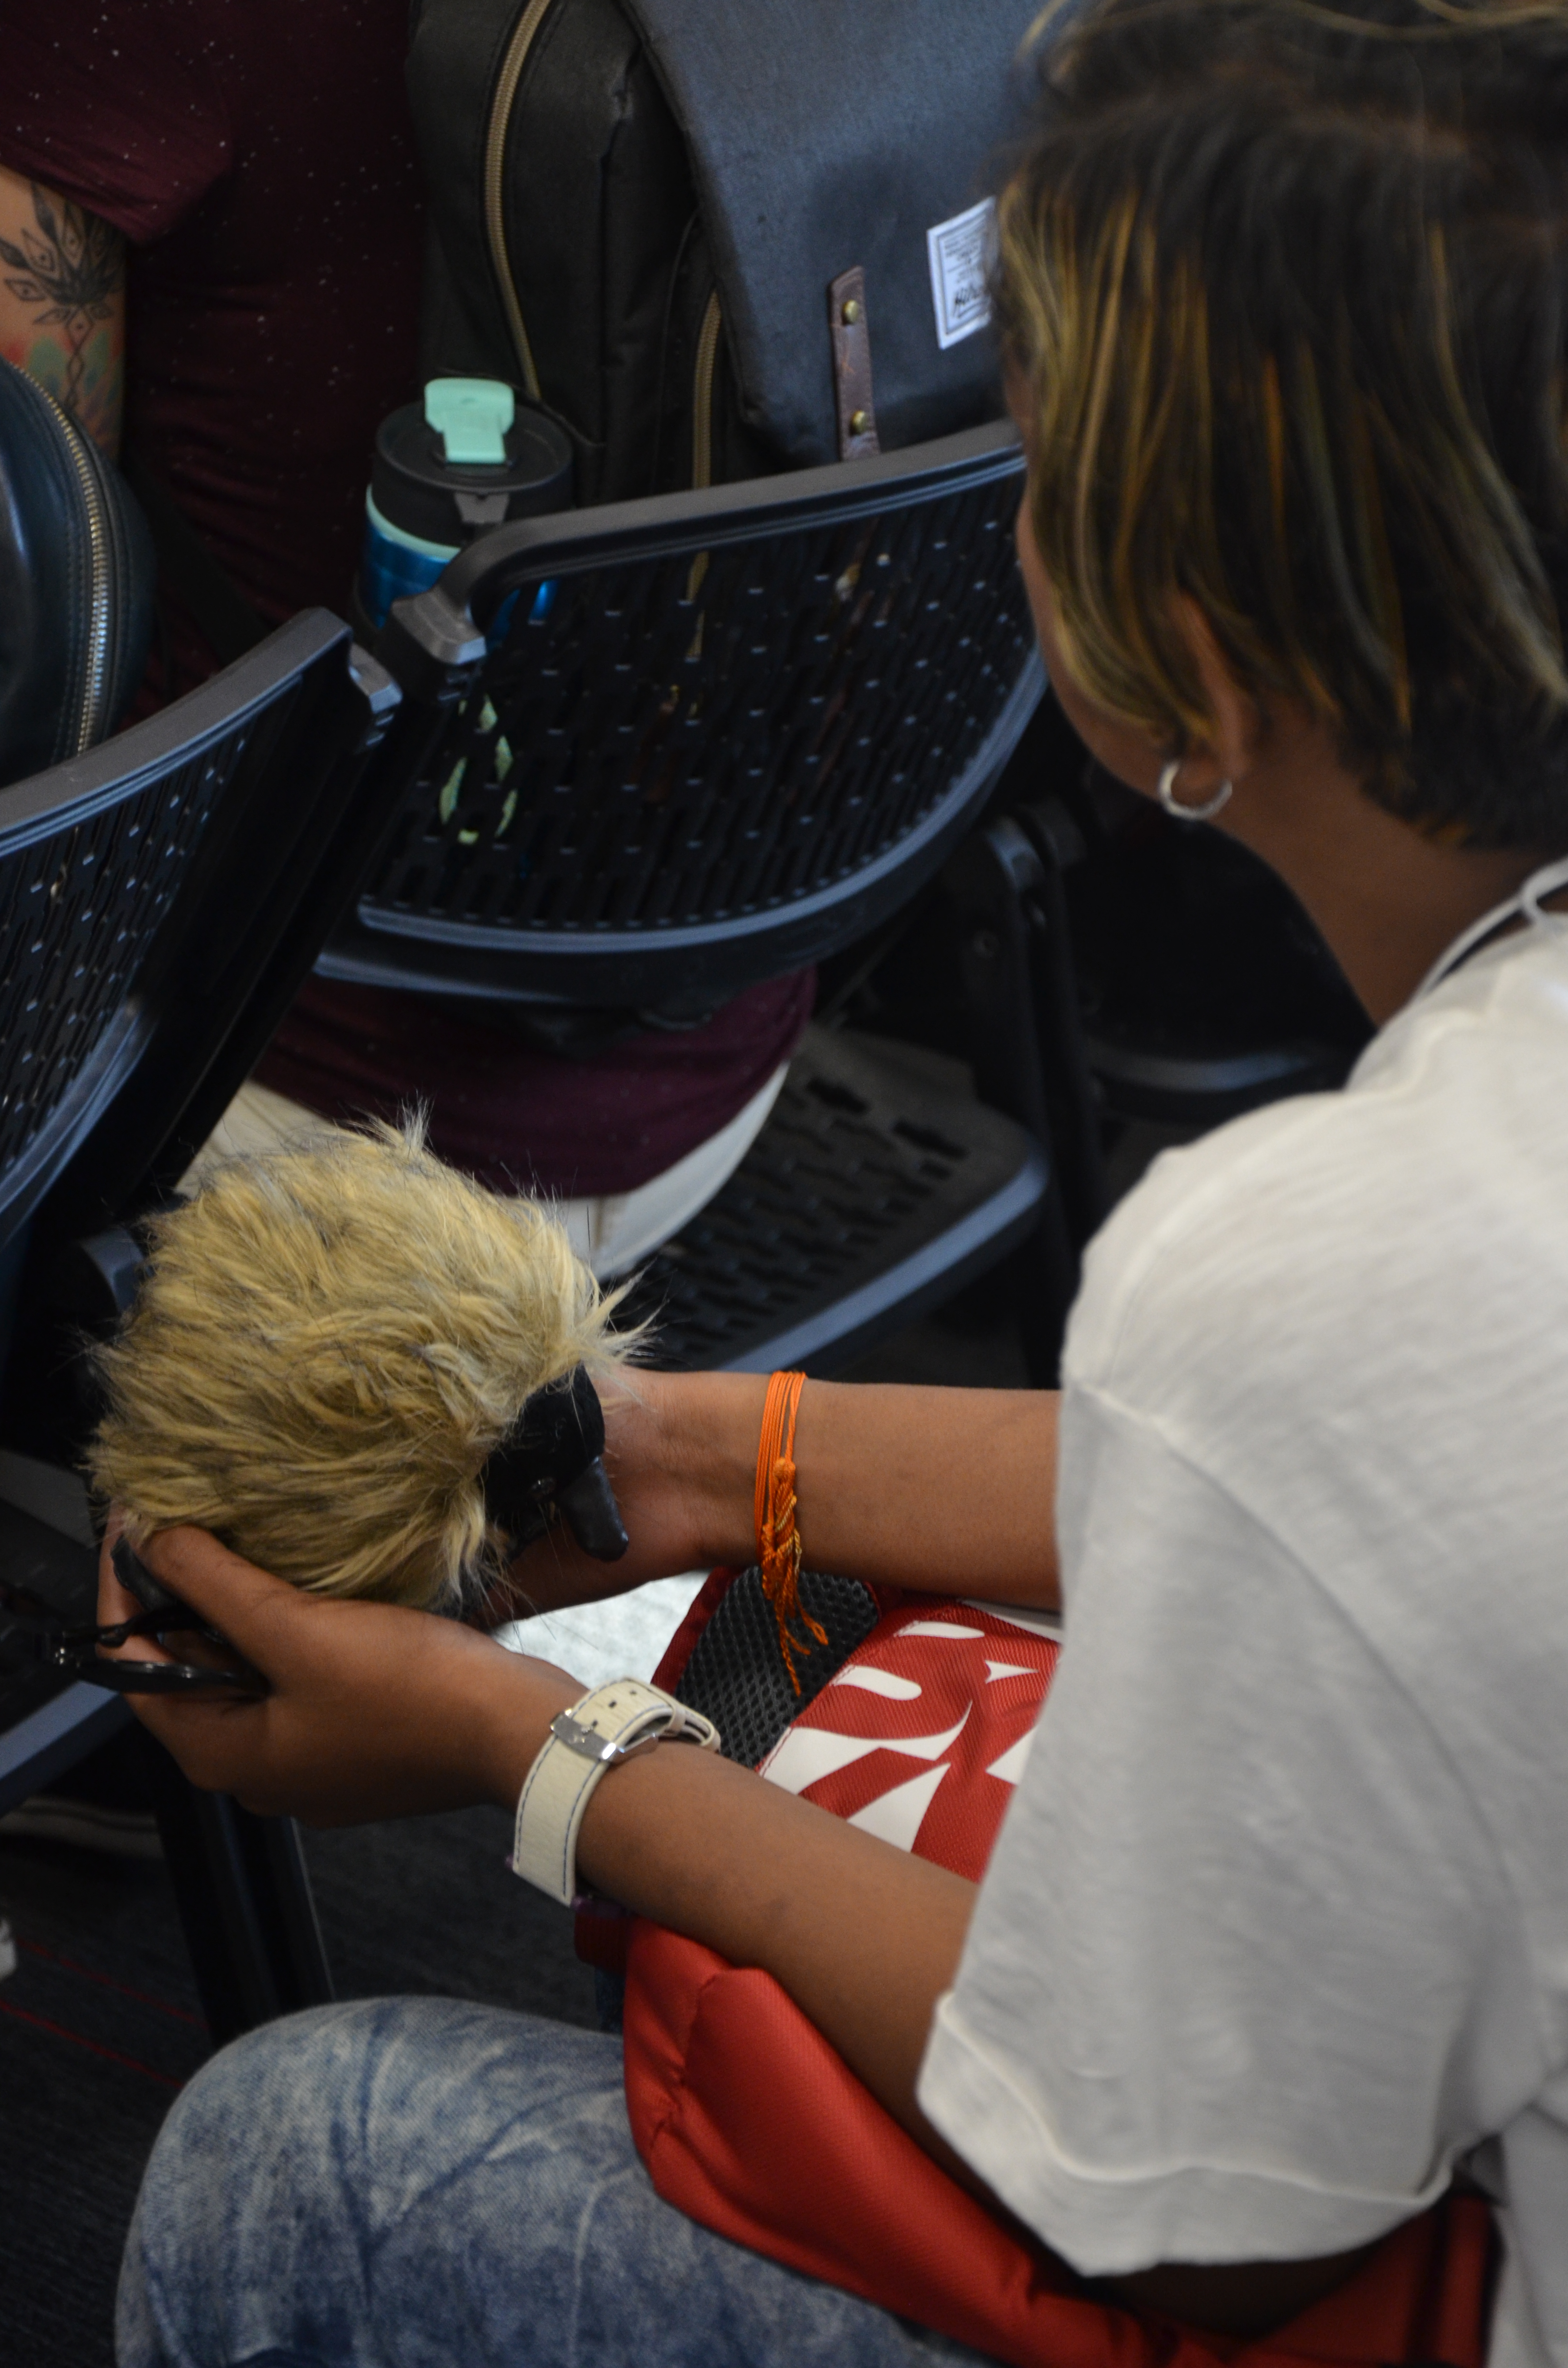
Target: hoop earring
[[1173, 805]]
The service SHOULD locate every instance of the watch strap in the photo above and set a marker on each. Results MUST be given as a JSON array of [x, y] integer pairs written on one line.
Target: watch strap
[[609, 1725]]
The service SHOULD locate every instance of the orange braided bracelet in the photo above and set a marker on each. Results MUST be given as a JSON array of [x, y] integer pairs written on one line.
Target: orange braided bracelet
[[778, 1538]]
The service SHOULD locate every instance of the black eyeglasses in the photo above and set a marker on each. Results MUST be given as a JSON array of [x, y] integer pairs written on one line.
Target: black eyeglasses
[[75, 1648]]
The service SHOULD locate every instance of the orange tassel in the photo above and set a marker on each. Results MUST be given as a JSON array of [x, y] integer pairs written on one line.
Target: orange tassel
[[778, 1537]]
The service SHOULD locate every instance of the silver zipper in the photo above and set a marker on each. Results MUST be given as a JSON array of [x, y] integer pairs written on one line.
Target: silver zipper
[[518, 49], [523, 37], [95, 687]]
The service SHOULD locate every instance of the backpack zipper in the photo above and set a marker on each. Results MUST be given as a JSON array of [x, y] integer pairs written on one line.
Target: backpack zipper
[[518, 49], [524, 34], [95, 681], [702, 394], [702, 438]]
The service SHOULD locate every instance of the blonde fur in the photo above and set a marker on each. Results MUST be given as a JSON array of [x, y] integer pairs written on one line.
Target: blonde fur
[[328, 1342]]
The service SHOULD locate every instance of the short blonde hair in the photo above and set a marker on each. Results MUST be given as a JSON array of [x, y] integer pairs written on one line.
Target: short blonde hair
[[328, 1342]]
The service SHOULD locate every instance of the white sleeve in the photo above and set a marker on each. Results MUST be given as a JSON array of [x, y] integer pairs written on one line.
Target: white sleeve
[[1219, 1997]]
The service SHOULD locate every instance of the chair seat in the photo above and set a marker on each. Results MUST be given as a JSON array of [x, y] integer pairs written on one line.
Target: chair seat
[[1188, 1083], [868, 1197]]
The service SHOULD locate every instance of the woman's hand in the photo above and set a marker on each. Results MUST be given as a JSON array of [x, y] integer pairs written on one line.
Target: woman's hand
[[375, 1711]]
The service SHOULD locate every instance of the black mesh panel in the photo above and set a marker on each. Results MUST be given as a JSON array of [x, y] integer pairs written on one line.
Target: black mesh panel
[[736, 1675], [855, 1170], [684, 740], [78, 909]]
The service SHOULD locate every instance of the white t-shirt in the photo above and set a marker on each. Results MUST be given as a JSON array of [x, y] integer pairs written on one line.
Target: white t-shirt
[[1276, 1928]]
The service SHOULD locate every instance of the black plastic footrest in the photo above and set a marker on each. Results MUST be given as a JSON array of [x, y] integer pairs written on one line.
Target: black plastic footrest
[[867, 1198]]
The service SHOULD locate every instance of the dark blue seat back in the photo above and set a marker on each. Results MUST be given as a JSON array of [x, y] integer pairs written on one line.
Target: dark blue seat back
[[668, 749]]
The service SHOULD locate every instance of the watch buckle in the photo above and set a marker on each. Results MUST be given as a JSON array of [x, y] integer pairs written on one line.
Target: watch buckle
[[589, 1743]]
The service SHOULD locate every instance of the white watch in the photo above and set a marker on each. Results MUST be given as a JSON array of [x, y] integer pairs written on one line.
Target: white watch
[[612, 1724]]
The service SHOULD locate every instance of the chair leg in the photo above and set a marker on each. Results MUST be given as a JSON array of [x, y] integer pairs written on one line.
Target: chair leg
[[995, 879], [245, 1903], [1073, 1096]]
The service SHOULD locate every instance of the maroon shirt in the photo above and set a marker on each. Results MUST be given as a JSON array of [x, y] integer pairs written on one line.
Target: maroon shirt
[[627, 1113], [258, 156]]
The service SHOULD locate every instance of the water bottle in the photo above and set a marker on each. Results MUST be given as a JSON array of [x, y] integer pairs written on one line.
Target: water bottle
[[468, 458]]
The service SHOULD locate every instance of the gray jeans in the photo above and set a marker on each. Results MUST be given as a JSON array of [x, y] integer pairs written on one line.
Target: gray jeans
[[421, 2183]]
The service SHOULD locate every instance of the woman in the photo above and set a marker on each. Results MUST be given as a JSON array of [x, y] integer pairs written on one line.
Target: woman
[[1275, 1934]]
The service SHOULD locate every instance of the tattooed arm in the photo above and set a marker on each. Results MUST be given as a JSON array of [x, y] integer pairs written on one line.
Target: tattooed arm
[[62, 303]]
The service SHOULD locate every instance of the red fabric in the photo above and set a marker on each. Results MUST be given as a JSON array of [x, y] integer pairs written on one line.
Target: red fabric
[[750, 2123], [936, 1769], [514, 1116], [259, 158]]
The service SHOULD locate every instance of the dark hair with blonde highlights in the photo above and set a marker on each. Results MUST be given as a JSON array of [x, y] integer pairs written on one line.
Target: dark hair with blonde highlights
[[1286, 283]]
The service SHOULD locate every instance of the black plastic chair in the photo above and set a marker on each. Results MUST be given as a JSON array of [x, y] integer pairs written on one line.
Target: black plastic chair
[[161, 899], [656, 753], [1126, 970]]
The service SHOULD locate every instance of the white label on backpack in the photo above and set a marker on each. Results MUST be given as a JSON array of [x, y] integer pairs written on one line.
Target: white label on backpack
[[960, 253]]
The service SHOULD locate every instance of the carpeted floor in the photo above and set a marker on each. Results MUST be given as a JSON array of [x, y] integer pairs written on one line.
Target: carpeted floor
[[100, 2024], [98, 2027]]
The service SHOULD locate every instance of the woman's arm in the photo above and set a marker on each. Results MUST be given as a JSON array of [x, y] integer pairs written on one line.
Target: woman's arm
[[947, 1491], [62, 303], [377, 1711]]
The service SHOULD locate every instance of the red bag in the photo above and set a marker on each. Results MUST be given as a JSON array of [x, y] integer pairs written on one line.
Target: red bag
[[750, 2123]]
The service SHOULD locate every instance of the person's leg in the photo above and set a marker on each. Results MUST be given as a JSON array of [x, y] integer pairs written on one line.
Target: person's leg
[[420, 2183], [256, 1121], [616, 1231]]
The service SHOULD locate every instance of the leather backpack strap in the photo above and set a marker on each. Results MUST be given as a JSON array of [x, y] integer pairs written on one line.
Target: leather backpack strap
[[857, 438]]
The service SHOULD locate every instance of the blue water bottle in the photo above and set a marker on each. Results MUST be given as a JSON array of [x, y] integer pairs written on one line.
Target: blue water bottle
[[470, 457]]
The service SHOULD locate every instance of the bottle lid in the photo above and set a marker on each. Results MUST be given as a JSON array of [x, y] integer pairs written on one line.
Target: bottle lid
[[470, 457], [472, 416]]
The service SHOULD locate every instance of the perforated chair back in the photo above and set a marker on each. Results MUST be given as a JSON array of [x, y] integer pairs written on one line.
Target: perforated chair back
[[160, 898], [714, 736]]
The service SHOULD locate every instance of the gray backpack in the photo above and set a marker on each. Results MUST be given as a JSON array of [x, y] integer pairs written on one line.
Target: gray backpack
[[648, 216]]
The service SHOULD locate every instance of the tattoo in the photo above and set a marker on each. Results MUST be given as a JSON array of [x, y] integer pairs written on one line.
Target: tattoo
[[70, 266]]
